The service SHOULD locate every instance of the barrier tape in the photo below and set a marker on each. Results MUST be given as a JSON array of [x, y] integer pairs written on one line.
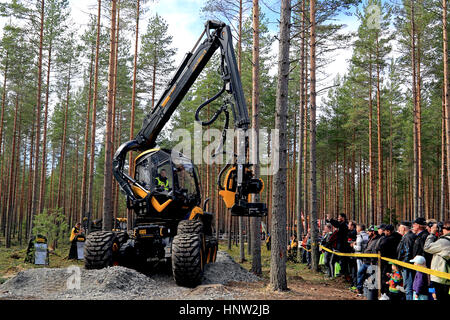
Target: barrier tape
[[411, 266], [436, 273]]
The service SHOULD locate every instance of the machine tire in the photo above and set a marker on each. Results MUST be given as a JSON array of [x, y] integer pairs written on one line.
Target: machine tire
[[100, 249], [122, 236], [190, 226], [212, 247], [187, 259]]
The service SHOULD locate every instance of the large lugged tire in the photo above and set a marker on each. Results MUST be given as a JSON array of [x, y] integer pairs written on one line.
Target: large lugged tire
[[122, 236], [100, 249], [190, 226], [187, 259], [212, 246]]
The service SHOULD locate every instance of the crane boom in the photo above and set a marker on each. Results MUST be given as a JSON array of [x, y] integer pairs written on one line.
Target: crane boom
[[218, 35]]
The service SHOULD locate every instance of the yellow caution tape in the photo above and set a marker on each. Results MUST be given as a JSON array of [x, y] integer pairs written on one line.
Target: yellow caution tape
[[358, 255], [411, 266], [436, 273]]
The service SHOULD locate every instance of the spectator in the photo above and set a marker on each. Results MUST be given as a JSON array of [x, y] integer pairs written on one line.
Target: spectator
[[380, 231], [304, 253], [404, 253], [292, 248], [76, 231], [342, 244], [352, 232], [268, 243], [440, 249], [308, 251], [361, 275], [362, 239], [420, 284], [327, 232], [395, 283], [388, 248], [359, 245], [419, 228], [430, 224], [352, 266]]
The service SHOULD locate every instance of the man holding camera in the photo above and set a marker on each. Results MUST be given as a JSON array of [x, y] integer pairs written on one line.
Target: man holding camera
[[439, 247]]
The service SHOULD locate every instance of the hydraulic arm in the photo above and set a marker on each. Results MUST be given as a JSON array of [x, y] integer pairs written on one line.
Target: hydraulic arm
[[239, 181]]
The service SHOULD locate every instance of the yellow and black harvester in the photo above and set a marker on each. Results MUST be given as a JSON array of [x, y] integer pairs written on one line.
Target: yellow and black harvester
[[170, 226]]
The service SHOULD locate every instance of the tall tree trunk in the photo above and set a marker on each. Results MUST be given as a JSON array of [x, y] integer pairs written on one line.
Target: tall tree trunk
[[414, 89], [94, 116], [114, 185], [44, 138], [34, 197], [3, 107], [300, 133], [61, 184], [312, 149], [107, 182], [446, 95], [256, 221], [10, 201], [86, 142], [2, 148], [133, 107], [278, 234], [420, 179], [380, 209], [371, 162], [30, 183]]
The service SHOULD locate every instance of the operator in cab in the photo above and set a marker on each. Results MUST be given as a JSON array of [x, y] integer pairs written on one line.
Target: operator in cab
[[161, 180]]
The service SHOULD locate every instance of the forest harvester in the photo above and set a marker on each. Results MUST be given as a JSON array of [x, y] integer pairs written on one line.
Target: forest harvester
[[170, 227]]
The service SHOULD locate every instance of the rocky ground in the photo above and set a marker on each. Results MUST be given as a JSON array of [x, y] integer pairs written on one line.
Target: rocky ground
[[223, 280], [123, 283]]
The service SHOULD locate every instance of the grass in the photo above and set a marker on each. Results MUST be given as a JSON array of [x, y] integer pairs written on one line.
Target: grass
[[12, 259]]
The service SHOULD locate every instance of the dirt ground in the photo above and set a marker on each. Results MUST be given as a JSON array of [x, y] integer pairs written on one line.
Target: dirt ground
[[227, 280], [298, 289]]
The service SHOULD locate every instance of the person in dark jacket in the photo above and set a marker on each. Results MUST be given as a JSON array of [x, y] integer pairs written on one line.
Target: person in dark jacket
[[342, 244], [325, 242], [419, 228], [342, 235], [388, 248], [366, 262], [352, 266], [352, 233], [76, 231], [404, 253]]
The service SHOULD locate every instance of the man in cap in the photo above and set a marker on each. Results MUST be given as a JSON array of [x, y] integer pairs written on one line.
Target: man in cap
[[388, 248], [366, 262], [419, 228], [380, 230], [404, 253]]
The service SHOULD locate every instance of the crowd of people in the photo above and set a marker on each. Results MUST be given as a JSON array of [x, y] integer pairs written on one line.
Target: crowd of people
[[421, 242]]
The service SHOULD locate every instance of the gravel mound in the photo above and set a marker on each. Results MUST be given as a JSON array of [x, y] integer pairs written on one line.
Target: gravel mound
[[122, 283]]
